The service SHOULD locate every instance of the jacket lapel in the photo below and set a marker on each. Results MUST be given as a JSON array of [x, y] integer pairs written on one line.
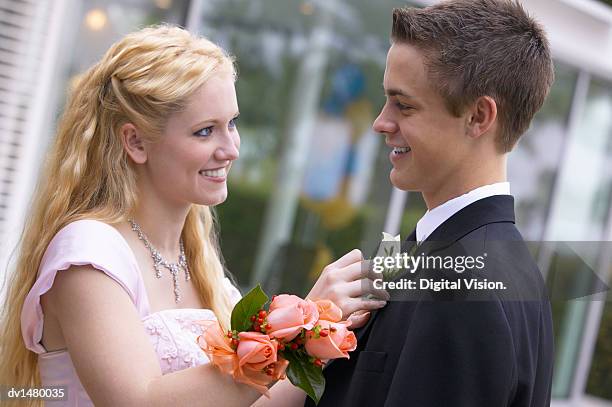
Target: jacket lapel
[[494, 209]]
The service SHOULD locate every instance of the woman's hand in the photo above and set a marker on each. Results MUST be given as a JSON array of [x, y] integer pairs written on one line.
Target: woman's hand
[[346, 282]]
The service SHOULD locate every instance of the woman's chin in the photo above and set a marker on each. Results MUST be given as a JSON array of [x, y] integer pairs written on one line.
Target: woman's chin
[[212, 199]]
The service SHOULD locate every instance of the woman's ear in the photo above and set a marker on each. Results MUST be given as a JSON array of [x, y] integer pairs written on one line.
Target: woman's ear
[[133, 143], [482, 117]]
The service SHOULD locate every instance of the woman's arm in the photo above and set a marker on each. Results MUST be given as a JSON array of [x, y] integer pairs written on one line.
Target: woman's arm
[[282, 394], [113, 356]]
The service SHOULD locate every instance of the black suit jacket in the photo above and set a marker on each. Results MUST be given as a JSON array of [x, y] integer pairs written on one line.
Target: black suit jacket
[[445, 350]]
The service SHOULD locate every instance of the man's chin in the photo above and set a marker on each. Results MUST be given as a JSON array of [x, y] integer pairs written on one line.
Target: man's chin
[[401, 182]]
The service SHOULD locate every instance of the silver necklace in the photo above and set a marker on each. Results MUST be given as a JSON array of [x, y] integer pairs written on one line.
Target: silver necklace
[[158, 260]]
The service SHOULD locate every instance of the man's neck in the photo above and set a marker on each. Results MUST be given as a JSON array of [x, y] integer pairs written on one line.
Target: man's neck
[[483, 169], [436, 198]]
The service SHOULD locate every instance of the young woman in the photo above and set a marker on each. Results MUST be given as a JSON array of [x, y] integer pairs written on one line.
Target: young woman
[[119, 255]]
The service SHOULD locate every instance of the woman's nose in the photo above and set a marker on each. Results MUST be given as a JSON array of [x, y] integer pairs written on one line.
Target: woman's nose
[[383, 124], [229, 149]]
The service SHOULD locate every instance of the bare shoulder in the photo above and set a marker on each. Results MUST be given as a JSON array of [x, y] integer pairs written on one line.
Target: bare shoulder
[[80, 286]]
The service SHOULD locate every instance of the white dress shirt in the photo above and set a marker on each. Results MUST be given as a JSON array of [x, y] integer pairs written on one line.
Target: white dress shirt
[[438, 215]]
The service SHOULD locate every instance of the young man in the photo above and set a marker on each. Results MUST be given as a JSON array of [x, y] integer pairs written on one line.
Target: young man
[[463, 81]]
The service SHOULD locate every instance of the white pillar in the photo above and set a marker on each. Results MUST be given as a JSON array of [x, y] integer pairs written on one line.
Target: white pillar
[[303, 108]]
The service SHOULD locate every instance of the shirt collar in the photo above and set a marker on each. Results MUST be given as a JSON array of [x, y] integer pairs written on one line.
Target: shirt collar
[[438, 215]]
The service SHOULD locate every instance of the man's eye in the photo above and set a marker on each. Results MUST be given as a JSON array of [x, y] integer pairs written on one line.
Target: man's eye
[[205, 132], [232, 123], [402, 106]]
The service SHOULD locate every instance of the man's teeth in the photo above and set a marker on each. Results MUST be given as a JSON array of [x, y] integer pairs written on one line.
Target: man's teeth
[[401, 150], [214, 173]]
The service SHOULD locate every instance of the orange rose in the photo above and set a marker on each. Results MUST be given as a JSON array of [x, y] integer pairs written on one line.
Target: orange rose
[[258, 363], [261, 379], [217, 347], [256, 349], [289, 314], [329, 311], [334, 341]]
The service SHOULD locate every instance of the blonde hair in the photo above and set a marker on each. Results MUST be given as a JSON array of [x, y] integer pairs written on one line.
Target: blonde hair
[[142, 79]]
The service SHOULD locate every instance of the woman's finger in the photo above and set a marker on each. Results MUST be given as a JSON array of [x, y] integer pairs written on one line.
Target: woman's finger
[[363, 287], [359, 304], [358, 320], [352, 272], [348, 259]]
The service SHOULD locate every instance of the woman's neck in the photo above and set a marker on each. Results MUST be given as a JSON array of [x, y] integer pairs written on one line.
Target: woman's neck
[[162, 226]]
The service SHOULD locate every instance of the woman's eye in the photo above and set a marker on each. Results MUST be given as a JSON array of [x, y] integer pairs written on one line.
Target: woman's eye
[[205, 132]]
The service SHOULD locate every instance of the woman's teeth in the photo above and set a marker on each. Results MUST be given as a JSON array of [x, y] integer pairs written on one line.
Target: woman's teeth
[[401, 150], [214, 173]]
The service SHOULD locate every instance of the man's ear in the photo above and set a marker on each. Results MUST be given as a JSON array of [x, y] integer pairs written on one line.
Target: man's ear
[[133, 143], [482, 116]]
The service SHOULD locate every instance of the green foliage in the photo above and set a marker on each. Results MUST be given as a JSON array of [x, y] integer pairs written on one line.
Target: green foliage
[[600, 377], [305, 375], [249, 305], [241, 220]]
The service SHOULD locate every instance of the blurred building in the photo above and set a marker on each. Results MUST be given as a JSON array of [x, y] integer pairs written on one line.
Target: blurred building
[[312, 180]]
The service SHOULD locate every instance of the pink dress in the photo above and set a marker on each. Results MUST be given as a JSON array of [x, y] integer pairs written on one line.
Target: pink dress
[[172, 332]]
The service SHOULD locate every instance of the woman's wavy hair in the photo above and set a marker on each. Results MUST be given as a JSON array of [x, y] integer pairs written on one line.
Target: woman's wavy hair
[[142, 79]]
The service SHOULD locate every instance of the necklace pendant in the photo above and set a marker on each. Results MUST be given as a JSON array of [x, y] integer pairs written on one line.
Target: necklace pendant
[[159, 260]]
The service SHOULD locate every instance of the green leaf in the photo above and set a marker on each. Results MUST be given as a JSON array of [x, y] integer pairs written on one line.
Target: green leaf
[[306, 376], [249, 305]]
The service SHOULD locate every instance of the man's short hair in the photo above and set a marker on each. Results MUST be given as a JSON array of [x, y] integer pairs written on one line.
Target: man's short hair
[[475, 48]]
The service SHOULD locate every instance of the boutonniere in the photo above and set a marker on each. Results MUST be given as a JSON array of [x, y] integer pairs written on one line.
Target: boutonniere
[[389, 247]]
